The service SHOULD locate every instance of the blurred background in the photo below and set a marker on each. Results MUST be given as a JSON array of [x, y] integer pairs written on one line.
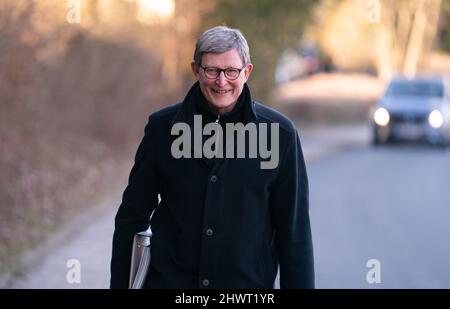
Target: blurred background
[[79, 78]]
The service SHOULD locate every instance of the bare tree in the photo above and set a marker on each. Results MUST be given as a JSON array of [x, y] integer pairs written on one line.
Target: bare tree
[[397, 43], [408, 27]]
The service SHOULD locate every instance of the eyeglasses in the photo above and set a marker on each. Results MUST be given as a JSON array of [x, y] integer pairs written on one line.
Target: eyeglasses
[[230, 73]]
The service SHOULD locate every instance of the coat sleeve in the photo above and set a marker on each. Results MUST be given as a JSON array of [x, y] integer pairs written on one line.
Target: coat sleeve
[[139, 200], [290, 212]]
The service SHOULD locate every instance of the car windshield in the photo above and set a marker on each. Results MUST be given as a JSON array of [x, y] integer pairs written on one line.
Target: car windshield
[[415, 88]]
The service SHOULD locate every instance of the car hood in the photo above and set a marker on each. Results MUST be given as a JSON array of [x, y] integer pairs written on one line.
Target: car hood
[[410, 104]]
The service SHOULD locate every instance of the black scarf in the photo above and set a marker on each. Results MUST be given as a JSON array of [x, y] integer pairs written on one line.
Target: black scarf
[[195, 103], [203, 108]]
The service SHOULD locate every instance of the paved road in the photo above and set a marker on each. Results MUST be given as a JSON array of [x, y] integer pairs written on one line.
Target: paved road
[[87, 240], [390, 204]]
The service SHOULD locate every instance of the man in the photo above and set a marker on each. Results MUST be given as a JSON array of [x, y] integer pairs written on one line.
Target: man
[[224, 220]]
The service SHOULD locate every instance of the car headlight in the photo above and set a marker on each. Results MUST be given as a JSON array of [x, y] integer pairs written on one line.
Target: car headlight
[[435, 119], [381, 116]]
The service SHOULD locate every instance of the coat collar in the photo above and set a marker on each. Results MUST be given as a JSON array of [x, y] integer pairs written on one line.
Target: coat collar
[[189, 108]]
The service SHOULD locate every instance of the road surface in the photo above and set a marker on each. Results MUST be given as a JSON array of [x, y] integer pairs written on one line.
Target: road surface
[[389, 206]]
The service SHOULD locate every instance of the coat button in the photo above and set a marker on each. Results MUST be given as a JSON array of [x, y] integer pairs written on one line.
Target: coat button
[[209, 232], [213, 178], [205, 282]]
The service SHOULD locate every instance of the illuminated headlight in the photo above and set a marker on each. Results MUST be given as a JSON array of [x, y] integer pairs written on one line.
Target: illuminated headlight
[[435, 119], [381, 116]]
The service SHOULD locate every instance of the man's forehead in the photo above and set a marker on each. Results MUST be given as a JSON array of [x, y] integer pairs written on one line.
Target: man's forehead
[[228, 58]]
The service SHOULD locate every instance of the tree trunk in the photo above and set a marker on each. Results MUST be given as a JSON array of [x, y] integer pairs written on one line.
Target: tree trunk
[[415, 44]]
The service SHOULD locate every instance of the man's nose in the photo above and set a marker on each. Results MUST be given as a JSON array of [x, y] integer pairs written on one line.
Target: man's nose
[[221, 79]]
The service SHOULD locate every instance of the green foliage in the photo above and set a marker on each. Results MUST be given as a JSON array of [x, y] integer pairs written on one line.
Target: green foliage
[[269, 26]]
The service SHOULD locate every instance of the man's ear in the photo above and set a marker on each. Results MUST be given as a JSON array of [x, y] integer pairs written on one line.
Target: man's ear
[[195, 70], [248, 70]]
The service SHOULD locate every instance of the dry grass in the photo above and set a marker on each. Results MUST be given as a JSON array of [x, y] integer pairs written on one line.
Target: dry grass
[[329, 98], [72, 110], [331, 88], [439, 63]]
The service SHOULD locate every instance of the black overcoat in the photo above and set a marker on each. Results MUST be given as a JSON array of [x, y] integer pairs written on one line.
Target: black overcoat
[[220, 223]]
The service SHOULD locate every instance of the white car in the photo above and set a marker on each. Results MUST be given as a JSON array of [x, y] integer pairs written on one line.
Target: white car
[[413, 109]]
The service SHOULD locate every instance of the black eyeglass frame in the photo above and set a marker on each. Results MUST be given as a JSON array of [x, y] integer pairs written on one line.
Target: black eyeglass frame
[[218, 70]]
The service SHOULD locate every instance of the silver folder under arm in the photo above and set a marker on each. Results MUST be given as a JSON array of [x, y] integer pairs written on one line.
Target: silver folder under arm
[[140, 259]]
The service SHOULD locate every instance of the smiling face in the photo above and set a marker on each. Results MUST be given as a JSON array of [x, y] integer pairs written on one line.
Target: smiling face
[[221, 93]]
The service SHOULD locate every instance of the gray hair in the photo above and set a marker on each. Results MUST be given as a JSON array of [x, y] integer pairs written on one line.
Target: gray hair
[[221, 39]]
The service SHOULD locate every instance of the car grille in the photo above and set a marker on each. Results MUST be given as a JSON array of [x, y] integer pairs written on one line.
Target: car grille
[[409, 118]]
